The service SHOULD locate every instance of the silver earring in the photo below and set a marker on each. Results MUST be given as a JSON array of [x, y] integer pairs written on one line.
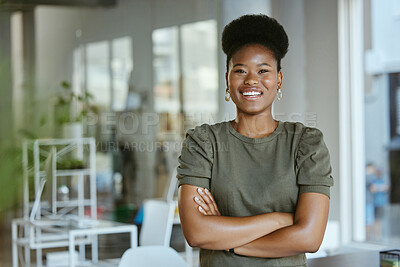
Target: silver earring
[[279, 97], [227, 95]]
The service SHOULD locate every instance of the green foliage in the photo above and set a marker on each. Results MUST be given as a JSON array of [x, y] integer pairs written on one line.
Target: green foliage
[[70, 163], [71, 107], [10, 178]]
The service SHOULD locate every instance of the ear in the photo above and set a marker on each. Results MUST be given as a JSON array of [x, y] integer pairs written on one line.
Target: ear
[[280, 79], [226, 79]]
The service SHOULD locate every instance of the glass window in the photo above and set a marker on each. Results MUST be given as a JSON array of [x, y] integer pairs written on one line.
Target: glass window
[[122, 66], [185, 76], [382, 125], [199, 68], [166, 70], [98, 74]]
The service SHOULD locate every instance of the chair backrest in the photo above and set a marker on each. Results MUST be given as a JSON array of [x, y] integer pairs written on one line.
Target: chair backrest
[[151, 256], [158, 218], [170, 191]]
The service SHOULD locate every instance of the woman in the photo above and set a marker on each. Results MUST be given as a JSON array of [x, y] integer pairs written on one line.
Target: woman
[[254, 191]]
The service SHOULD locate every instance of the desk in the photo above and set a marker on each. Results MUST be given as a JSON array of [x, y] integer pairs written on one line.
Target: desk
[[104, 227], [364, 259], [52, 237]]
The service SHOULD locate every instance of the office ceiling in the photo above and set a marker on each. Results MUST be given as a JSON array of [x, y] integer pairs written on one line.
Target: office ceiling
[[26, 4]]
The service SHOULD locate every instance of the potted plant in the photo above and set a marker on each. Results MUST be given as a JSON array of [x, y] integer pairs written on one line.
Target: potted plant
[[70, 110]]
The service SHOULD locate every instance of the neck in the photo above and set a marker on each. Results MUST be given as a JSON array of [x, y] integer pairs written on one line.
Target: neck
[[254, 126]]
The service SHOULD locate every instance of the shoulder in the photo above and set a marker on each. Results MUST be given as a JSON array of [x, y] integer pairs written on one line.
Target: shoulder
[[301, 132], [208, 132], [311, 142]]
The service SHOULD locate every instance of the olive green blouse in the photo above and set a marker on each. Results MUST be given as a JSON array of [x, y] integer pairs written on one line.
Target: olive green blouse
[[250, 176]]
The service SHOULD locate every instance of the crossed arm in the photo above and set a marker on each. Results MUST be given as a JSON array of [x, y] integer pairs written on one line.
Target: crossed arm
[[270, 235]]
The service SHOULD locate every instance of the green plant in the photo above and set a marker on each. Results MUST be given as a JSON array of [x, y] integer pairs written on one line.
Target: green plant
[[71, 107]]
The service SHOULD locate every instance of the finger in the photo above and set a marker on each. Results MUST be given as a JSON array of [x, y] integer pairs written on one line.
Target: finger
[[212, 203], [203, 205], [207, 203], [202, 210], [205, 196], [215, 207]]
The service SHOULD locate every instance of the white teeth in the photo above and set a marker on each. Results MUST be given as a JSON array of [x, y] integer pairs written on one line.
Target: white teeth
[[251, 93]]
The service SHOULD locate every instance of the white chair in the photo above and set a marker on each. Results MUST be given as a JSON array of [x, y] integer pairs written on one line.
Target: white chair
[[170, 191], [158, 218], [151, 256]]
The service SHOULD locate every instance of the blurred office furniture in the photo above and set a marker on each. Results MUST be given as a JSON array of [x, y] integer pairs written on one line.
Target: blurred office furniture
[[170, 196], [152, 256], [157, 223], [61, 162], [365, 259], [25, 234], [59, 217], [169, 193], [42, 162]]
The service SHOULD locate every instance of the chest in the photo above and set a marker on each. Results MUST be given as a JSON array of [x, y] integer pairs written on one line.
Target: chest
[[250, 180]]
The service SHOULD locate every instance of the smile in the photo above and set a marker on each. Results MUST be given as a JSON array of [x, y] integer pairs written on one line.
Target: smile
[[251, 93]]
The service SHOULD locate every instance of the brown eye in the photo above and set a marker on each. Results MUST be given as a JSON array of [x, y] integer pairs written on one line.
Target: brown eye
[[239, 71]]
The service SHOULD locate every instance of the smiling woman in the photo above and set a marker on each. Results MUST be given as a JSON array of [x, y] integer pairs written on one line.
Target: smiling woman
[[253, 79], [254, 191]]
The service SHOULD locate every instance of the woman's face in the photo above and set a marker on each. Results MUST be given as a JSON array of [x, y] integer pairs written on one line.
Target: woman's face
[[253, 79]]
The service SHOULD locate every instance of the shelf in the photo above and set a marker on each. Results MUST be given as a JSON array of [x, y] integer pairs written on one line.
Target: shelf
[[73, 172], [72, 203]]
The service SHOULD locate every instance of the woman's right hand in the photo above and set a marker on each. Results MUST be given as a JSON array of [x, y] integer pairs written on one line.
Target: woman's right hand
[[206, 202]]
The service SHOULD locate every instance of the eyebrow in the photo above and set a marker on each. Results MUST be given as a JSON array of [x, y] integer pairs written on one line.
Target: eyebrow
[[259, 65]]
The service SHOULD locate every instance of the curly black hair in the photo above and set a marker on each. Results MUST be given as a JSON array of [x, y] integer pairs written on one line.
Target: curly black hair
[[255, 29]]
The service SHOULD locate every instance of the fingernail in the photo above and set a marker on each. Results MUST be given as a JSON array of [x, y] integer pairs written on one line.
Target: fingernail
[[200, 190], [206, 190], [196, 198], [200, 208]]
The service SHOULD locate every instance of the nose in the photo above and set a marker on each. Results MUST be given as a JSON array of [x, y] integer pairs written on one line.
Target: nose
[[251, 79]]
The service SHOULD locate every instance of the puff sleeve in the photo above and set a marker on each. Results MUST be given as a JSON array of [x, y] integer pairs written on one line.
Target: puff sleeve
[[313, 169], [196, 159]]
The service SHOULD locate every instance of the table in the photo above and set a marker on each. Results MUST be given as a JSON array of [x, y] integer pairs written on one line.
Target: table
[[104, 227], [364, 259], [31, 236]]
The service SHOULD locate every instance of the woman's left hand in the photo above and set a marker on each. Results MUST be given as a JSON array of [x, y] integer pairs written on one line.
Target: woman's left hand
[[206, 202]]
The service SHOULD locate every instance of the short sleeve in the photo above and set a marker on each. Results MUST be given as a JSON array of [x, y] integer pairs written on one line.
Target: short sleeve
[[196, 159], [313, 163]]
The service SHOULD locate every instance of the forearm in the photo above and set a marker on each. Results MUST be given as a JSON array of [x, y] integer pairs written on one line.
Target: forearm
[[305, 235], [288, 241], [222, 232]]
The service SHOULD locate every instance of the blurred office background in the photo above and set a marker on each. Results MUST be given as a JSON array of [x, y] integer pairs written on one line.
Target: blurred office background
[[151, 69]]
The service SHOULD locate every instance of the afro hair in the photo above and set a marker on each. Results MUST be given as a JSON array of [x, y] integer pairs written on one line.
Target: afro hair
[[255, 29]]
